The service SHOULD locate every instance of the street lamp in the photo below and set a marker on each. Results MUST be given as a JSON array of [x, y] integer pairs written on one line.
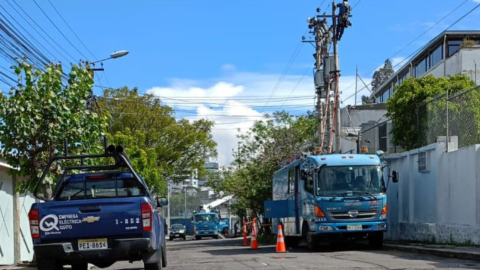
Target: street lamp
[[113, 56]]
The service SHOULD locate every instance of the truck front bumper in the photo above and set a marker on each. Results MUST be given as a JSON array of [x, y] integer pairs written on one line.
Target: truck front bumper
[[350, 227], [120, 249]]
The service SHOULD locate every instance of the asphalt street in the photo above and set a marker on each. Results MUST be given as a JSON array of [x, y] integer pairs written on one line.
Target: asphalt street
[[230, 254]]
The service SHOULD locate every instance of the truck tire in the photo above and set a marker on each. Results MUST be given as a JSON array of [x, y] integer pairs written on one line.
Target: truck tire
[[198, 238], [156, 265], [375, 240], [215, 237], [103, 264], [48, 264], [312, 241], [79, 266], [164, 256]]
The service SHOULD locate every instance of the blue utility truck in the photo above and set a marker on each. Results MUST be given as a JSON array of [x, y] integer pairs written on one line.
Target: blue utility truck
[[206, 224], [97, 214], [330, 197]]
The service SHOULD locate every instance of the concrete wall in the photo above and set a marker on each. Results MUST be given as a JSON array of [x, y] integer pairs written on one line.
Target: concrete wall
[[15, 239], [463, 62], [440, 204]]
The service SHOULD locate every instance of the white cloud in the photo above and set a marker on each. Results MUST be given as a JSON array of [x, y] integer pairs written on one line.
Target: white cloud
[[476, 1], [237, 100]]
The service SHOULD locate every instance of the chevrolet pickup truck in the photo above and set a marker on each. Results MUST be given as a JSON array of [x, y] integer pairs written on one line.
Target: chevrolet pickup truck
[[98, 215]]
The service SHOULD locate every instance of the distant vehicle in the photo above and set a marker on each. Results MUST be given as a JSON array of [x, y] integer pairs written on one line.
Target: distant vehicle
[[206, 224], [223, 226], [99, 215], [177, 231]]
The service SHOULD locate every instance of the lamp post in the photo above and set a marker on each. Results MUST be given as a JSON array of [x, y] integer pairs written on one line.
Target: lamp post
[[113, 55]]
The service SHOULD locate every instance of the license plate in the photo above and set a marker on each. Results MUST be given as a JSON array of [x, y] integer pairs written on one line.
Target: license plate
[[92, 244], [354, 227], [177, 234]]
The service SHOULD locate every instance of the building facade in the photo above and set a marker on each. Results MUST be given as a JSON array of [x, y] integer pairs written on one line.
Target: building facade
[[450, 53]]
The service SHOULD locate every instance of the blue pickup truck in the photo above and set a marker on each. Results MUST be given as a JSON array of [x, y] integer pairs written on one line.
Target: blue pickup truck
[[97, 214]]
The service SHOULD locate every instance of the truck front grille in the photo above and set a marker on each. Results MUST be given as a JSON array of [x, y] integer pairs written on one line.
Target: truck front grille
[[344, 215]]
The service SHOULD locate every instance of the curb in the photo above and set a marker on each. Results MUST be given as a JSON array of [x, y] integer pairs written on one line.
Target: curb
[[446, 253]]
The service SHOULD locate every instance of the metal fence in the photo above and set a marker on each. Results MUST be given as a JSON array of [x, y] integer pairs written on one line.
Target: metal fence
[[450, 115]]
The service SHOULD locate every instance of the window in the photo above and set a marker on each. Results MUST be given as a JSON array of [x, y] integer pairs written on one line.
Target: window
[[402, 77], [291, 181], [309, 182], [421, 68], [454, 46], [101, 188], [350, 181], [423, 162], [436, 56]]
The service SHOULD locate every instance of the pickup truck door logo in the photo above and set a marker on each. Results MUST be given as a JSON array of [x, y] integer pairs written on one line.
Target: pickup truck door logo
[[90, 219], [49, 223]]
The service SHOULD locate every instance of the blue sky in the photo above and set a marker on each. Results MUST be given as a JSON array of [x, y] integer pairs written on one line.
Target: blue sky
[[208, 58]]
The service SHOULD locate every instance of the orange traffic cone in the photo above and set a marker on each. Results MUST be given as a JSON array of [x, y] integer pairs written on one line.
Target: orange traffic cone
[[254, 243], [245, 241], [280, 240]]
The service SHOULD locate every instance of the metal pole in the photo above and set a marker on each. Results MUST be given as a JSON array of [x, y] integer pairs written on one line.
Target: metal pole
[[356, 84], [168, 206], [447, 139], [185, 208]]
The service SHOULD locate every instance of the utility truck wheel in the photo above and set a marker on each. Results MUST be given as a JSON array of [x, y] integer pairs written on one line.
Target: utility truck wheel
[[156, 265], [375, 240]]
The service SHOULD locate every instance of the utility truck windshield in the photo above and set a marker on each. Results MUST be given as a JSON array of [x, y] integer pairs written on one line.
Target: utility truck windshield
[[350, 181], [206, 218]]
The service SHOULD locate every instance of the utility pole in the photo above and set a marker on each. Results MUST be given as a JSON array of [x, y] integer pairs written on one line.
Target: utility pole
[[338, 126], [356, 84], [327, 79]]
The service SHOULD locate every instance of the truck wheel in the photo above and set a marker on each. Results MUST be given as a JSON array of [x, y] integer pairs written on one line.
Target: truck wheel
[[198, 238], [79, 266], [375, 240], [312, 242], [48, 264], [164, 256], [154, 266], [215, 237]]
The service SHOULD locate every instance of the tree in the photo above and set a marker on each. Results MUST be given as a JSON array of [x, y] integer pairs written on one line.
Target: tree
[[382, 75], [409, 113], [365, 100], [261, 149], [157, 144], [40, 113]]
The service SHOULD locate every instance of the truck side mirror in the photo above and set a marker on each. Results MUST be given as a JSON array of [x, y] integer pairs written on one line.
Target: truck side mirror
[[161, 202], [394, 176]]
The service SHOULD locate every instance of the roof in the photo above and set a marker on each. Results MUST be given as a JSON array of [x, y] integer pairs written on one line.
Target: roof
[[346, 160]]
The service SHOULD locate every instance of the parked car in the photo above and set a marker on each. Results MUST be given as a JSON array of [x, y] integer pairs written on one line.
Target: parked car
[[177, 231]]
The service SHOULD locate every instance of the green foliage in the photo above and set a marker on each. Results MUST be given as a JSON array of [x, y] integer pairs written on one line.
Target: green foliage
[[177, 204], [382, 75], [409, 115], [365, 100], [266, 144], [157, 144], [41, 112]]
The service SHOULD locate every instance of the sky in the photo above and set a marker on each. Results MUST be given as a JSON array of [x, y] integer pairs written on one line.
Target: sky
[[228, 61]]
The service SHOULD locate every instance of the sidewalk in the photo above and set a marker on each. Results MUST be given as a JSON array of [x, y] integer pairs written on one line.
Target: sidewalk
[[449, 251]]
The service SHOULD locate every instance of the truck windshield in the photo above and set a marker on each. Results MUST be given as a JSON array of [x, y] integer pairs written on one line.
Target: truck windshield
[[206, 218], [350, 181]]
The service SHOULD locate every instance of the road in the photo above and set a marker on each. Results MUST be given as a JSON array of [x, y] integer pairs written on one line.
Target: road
[[229, 254]]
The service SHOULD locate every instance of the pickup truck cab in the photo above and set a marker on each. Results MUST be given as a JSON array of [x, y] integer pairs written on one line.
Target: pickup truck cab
[[98, 218]]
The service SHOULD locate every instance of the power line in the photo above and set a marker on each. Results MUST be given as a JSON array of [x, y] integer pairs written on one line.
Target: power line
[[401, 62], [46, 15], [43, 32], [60, 15]]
